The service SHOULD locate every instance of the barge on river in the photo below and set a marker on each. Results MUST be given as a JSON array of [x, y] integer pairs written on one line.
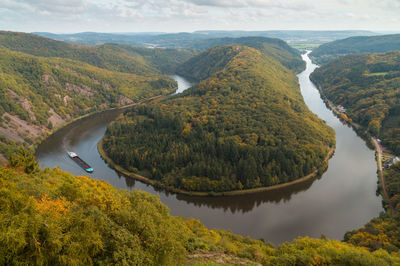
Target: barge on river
[[80, 162]]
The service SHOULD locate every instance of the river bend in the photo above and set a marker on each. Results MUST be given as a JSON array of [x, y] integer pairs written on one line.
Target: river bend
[[343, 199]]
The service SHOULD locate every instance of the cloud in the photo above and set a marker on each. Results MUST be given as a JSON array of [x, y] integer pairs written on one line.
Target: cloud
[[189, 15], [284, 4]]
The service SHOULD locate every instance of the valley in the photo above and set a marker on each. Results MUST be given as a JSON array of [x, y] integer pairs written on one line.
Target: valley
[[267, 215], [199, 148]]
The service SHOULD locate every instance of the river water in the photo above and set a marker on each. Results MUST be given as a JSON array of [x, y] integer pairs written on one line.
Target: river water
[[342, 199]]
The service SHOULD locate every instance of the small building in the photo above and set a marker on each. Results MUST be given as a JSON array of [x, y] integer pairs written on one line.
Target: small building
[[341, 109], [390, 162]]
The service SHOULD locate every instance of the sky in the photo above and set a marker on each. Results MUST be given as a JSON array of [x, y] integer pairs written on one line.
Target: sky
[[69, 16]]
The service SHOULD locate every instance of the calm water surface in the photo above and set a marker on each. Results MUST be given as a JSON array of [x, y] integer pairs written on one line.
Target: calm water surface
[[342, 199]]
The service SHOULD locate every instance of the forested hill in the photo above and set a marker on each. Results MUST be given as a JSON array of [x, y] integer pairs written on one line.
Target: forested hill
[[207, 63], [355, 45], [50, 217], [276, 48], [244, 126], [122, 58], [39, 93], [202, 65], [368, 86]]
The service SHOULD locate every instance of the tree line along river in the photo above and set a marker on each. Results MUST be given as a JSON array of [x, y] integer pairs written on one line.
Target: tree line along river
[[342, 199]]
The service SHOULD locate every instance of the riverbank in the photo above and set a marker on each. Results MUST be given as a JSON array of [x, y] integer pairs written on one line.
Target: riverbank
[[146, 180], [370, 140], [73, 120]]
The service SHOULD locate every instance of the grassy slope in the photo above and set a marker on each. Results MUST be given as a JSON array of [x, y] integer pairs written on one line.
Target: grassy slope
[[355, 45]]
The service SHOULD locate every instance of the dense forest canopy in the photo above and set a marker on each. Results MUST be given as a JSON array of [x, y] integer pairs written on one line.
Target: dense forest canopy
[[368, 86], [244, 125], [355, 45], [51, 217]]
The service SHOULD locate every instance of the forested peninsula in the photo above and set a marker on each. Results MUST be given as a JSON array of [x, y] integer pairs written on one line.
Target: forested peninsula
[[244, 125]]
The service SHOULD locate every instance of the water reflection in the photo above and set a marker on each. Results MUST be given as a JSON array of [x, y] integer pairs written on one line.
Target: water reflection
[[245, 203]]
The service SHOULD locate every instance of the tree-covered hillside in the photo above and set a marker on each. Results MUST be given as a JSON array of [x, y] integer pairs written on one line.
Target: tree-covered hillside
[[368, 86], [165, 60], [276, 48], [244, 125], [355, 45], [207, 63], [140, 60], [122, 58], [50, 217], [38, 93]]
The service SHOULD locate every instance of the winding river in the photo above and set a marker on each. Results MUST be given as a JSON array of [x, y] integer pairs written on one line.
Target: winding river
[[343, 199]]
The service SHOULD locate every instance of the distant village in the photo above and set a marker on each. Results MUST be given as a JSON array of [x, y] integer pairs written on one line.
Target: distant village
[[341, 109], [389, 162]]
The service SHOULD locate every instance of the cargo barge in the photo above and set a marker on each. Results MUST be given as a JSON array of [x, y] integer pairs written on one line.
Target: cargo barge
[[80, 162]]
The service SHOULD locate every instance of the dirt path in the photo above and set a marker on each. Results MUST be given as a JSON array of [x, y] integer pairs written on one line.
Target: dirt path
[[378, 149]]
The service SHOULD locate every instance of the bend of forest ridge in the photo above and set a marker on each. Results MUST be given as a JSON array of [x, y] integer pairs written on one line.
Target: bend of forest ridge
[[244, 125]]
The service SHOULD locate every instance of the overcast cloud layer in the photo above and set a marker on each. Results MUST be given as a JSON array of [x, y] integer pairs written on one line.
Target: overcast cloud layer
[[189, 15]]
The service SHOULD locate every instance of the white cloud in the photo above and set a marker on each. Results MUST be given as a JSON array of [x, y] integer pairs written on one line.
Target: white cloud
[[188, 15]]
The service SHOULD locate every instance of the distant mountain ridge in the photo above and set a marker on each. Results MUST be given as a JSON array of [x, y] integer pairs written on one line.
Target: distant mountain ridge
[[134, 60], [355, 45], [186, 39]]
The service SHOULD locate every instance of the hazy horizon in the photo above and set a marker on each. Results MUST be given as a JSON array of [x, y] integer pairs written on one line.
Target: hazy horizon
[[171, 16], [205, 30]]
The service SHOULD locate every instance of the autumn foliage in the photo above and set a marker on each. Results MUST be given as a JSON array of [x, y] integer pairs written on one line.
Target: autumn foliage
[[244, 125], [50, 217]]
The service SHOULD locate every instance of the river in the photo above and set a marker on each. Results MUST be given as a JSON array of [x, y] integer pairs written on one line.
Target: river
[[344, 198]]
